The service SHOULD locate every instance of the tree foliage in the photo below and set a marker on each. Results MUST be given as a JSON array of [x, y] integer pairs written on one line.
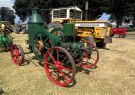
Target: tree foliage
[[7, 14], [119, 9], [23, 7]]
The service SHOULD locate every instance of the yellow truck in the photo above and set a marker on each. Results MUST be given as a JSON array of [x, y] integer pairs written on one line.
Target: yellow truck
[[97, 30]]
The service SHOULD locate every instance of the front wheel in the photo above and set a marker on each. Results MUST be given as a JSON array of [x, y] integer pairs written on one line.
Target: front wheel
[[17, 54], [59, 66]]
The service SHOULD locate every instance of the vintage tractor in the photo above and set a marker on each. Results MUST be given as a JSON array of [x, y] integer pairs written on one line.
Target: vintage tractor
[[97, 30], [5, 38], [59, 50], [119, 31]]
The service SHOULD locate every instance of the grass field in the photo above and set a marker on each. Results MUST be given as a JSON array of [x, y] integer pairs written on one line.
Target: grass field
[[114, 75]]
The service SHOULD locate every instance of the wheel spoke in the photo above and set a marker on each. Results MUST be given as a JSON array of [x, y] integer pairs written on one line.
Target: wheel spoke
[[58, 79], [64, 76], [20, 58], [50, 64], [47, 46], [36, 39], [46, 40], [54, 73], [40, 37], [52, 57], [66, 69], [57, 54], [64, 59]]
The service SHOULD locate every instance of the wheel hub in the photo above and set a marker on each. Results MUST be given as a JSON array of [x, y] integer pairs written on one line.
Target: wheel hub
[[39, 46], [16, 52], [58, 65]]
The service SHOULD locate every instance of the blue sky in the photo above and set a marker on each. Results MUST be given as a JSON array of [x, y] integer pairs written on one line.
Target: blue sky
[[104, 17], [10, 3]]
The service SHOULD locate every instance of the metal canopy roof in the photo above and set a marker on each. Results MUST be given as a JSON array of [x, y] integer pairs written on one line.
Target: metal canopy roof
[[71, 7]]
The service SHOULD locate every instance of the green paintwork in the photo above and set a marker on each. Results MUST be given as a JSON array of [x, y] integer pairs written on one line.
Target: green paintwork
[[73, 48], [69, 29], [35, 23], [36, 27], [35, 17], [45, 35], [5, 41]]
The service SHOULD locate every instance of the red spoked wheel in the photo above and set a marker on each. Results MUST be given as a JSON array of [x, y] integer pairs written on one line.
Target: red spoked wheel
[[90, 55], [59, 66], [17, 54]]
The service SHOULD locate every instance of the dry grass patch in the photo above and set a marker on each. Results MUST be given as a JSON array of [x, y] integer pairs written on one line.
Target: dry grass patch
[[114, 75]]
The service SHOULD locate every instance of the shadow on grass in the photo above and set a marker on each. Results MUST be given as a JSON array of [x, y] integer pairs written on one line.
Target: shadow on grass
[[103, 48], [118, 51], [1, 92], [84, 70], [72, 84], [78, 69]]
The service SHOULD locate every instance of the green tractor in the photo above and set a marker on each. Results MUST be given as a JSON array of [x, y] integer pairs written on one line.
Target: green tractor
[[5, 38], [59, 50]]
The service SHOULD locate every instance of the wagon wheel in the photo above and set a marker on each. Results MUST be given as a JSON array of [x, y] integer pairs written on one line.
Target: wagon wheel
[[59, 66], [41, 43], [90, 55], [17, 54]]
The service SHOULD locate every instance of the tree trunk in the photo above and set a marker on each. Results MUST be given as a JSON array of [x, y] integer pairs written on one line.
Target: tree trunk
[[118, 20], [134, 21]]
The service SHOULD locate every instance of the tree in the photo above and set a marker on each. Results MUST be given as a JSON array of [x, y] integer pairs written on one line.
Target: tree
[[7, 15], [131, 13], [95, 9], [118, 9], [23, 7]]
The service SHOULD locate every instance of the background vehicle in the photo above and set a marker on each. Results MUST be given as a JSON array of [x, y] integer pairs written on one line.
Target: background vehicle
[[7, 25], [130, 28], [20, 28], [119, 31], [99, 31], [5, 38]]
